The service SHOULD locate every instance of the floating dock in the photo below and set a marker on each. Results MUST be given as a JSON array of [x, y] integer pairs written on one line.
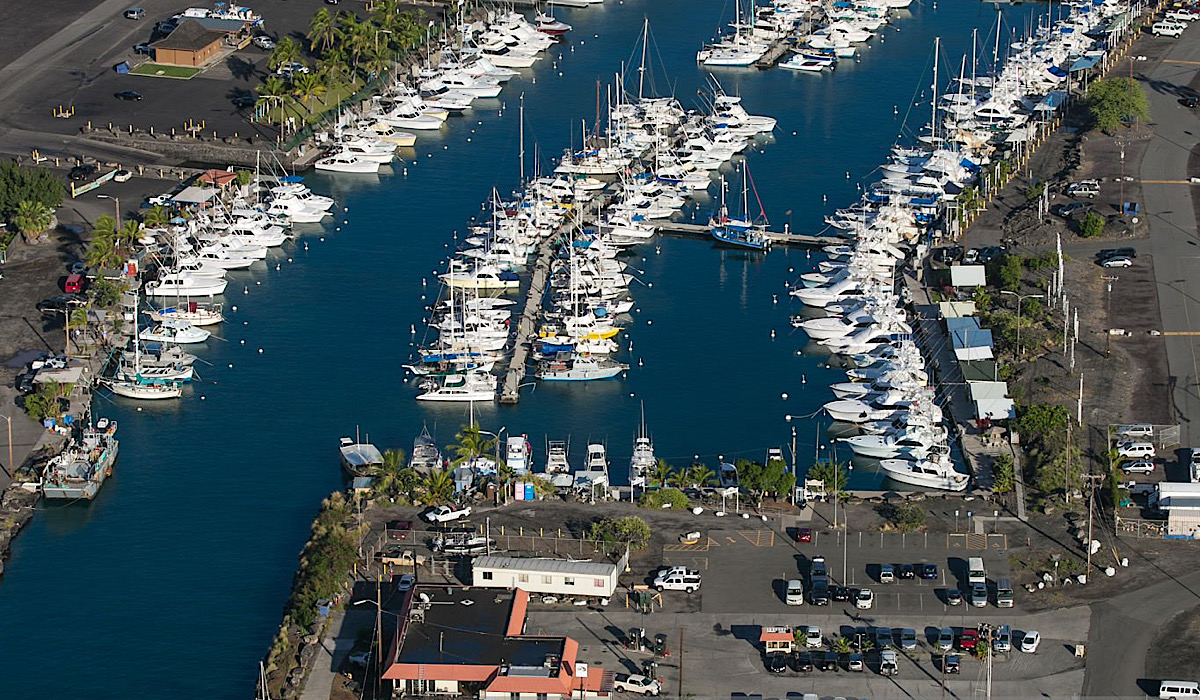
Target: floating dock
[[523, 340]]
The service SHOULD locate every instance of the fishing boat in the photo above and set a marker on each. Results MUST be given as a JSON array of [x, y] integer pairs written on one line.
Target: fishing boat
[[547, 24], [360, 458], [643, 459], [344, 162], [595, 467], [425, 453], [79, 471], [740, 233], [517, 453], [192, 312], [185, 285], [568, 367], [175, 331], [727, 475], [473, 386], [937, 473]]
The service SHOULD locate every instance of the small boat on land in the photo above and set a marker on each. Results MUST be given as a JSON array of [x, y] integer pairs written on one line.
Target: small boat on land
[[360, 458], [79, 471]]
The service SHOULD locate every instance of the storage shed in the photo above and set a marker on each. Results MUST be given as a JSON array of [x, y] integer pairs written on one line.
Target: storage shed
[[970, 340], [546, 576]]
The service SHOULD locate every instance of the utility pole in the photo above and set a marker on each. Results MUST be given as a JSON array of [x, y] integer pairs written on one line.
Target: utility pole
[[9, 466], [378, 634], [1092, 480], [793, 465], [681, 662], [1108, 314]]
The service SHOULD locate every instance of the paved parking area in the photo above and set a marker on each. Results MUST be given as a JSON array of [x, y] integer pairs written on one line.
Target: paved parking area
[[744, 569], [721, 656]]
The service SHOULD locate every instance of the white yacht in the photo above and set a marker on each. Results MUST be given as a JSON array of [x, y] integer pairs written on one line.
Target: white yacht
[[474, 386]]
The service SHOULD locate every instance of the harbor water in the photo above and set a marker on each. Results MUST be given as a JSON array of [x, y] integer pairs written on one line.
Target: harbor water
[[172, 582]]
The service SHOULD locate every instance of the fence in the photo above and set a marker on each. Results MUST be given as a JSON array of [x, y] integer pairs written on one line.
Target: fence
[[1142, 528]]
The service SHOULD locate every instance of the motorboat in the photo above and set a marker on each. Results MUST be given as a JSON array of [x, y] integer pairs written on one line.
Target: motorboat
[[191, 312], [80, 469], [472, 386], [517, 453], [569, 367], [344, 162], [547, 24], [481, 277], [425, 453], [643, 460], [184, 285], [595, 468], [360, 458], [175, 331], [936, 473]]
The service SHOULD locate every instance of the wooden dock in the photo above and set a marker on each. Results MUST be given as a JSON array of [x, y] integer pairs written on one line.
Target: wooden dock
[[778, 50], [522, 342], [776, 238]]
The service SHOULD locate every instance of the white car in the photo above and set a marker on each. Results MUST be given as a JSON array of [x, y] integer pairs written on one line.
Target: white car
[[1168, 28], [636, 684], [667, 571], [446, 514], [812, 638], [1135, 449], [1142, 466], [945, 640], [865, 599], [794, 594], [1118, 261], [1029, 643], [675, 581], [1183, 15], [264, 42]]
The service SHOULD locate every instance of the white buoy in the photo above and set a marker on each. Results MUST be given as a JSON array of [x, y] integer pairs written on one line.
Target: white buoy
[[774, 298], [649, 323], [640, 363], [803, 379], [245, 323], [412, 328], [783, 396], [772, 333], [256, 283], [321, 239], [201, 398], [233, 308], [230, 365], [139, 409], [260, 351], [245, 290], [242, 341], [276, 267]]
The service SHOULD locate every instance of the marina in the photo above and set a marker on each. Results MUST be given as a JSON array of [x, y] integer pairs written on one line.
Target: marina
[[371, 272]]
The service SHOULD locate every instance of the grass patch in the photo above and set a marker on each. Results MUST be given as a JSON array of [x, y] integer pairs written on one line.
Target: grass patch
[[162, 70], [305, 114]]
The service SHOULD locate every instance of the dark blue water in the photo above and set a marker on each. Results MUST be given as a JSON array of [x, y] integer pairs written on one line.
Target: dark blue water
[[174, 578]]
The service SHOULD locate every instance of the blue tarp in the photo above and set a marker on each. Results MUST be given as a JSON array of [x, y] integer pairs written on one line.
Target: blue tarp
[[969, 164], [1052, 101], [1055, 70], [966, 332], [1084, 63]]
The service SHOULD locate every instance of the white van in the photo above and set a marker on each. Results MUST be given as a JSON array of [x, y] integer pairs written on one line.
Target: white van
[[795, 592], [975, 571], [1177, 690], [1168, 28], [1135, 450]]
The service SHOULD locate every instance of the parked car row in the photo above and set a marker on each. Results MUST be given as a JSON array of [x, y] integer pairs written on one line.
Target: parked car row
[[888, 573]]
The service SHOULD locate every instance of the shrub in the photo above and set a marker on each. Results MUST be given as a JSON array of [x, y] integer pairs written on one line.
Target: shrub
[[1091, 225], [666, 497], [1113, 102], [1002, 473], [905, 517], [19, 184], [615, 533]]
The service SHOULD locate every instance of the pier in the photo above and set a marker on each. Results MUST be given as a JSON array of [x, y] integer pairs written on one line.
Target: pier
[[777, 238], [522, 341], [778, 50]]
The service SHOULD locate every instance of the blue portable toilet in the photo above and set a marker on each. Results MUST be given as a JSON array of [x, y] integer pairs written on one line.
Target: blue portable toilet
[[122, 68]]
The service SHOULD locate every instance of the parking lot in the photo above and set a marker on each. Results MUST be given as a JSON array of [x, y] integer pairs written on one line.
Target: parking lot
[[745, 569]]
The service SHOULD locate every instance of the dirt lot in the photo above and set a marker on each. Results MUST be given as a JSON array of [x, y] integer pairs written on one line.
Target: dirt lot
[[38, 21], [1175, 652]]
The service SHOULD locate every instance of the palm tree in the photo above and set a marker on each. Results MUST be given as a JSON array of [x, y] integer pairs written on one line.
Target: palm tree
[[678, 478], [660, 473], [126, 236], [32, 217], [102, 253], [155, 216], [322, 31], [700, 475], [438, 486], [307, 86], [393, 462], [406, 31], [504, 477], [286, 51], [273, 91], [842, 645], [470, 443]]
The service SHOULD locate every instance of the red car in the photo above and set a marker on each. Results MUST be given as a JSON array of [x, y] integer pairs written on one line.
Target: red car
[[968, 639], [804, 534], [399, 529], [74, 284]]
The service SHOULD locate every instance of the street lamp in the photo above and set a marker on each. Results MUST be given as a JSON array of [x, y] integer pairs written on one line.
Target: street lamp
[[1020, 298], [116, 207], [9, 466]]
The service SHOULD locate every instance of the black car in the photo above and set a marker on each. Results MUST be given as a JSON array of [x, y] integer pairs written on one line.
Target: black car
[[906, 571], [129, 95], [802, 662], [82, 172], [776, 662], [929, 572], [839, 593], [1189, 101], [1115, 253], [947, 254], [1067, 211], [24, 383], [826, 660], [245, 101], [60, 303], [142, 49], [953, 596]]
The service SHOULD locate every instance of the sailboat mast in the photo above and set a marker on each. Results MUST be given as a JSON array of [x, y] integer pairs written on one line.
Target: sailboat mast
[[937, 45], [642, 67], [521, 147]]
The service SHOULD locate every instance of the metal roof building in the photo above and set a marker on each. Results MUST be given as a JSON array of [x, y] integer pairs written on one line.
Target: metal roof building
[[549, 576]]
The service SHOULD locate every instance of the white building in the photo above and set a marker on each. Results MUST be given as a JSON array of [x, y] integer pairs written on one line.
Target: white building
[[546, 576]]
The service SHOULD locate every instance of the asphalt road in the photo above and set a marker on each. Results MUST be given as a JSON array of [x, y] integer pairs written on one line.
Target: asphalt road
[[1171, 217]]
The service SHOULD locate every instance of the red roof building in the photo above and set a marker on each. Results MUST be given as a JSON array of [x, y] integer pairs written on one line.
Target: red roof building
[[471, 641]]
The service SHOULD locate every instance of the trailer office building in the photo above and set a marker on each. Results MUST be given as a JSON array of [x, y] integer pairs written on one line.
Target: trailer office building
[[546, 576]]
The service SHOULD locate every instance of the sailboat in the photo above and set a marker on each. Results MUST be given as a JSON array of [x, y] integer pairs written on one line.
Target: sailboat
[[739, 233], [140, 386], [643, 459]]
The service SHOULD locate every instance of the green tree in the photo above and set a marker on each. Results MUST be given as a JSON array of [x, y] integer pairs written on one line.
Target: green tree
[[322, 31], [437, 486], [286, 51], [661, 473], [32, 218], [244, 177], [1040, 420], [661, 498], [1002, 473], [1008, 272], [155, 217], [1091, 225], [699, 475], [104, 292], [904, 516], [307, 86], [1114, 102], [831, 472], [43, 403], [102, 253], [273, 91], [470, 443], [616, 533], [842, 645], [36, 184]]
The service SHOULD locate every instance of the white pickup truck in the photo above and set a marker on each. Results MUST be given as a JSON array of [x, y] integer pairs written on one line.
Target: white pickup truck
[[636, 684], [688, 581], [446, 514]]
